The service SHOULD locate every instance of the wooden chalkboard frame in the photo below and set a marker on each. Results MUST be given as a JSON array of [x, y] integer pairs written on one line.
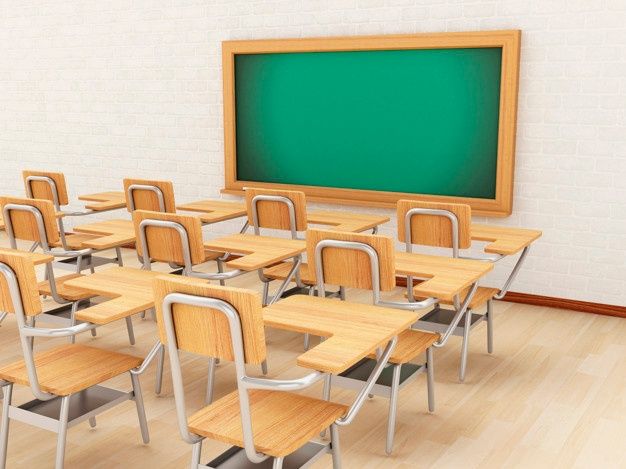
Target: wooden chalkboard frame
[[508, 40]]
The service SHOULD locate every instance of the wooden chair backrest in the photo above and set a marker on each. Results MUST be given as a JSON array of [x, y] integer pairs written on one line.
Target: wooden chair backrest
[[434, 230], [22, 265], [350, 268], [164, 244], [147, 200], [25, 224], [275, 215], [206, 331], [42, 190]]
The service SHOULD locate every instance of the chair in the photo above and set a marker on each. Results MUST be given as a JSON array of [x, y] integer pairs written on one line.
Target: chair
[[446, 226], [177, 240], [35, 220], [65, 380], [148, 194], [281, 210], [46, 185], [267, 424], [366, 261]]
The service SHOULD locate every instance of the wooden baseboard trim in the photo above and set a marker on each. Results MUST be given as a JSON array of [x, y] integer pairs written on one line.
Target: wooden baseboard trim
[[565, 303], [552, 302]]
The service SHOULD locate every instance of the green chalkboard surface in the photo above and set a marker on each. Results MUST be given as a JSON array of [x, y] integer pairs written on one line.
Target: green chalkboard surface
[[420, 121]]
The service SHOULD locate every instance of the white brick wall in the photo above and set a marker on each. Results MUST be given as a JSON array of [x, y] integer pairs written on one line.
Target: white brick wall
[[106, 89]]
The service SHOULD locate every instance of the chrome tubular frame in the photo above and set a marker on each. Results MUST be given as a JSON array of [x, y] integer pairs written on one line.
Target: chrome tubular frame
[[244, 382], [460, 309], [513, 274], [145, 187], [371, 381]]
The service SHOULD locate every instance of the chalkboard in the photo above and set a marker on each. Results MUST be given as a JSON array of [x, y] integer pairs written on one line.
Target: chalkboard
[[412, 121]]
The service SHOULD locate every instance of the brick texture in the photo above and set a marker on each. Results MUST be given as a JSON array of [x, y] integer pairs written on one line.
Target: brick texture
[[103, 90]]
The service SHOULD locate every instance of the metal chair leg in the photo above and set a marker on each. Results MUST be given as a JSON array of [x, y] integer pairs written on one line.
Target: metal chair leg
[[220, 269], [141, 411], [131, 332], [62, 433], [489, 327], [334, 444], [342, 293], [326, 395], [327, 385], [159, 371], [465, 345], [210, 381], [266, 292], [4, 427], [92, 422], [3, 316], [118, 255], [196, 451], [264, 367], [393, 408], [278, 463], [430, 378], [73, 319], [307, 341]]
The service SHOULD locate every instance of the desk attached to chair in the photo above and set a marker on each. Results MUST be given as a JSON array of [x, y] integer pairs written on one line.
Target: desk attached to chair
[[104, 201]]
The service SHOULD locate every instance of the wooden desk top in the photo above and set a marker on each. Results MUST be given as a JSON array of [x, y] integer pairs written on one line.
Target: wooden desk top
[[102, 201], [345, 221], [445, 276], [504, 240], [258, 251], [353, 330], [219, 210], [114, 233], [130, 291], [213, 211]]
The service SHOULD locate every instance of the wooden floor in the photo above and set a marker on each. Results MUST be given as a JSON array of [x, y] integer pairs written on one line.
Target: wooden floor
[[552, 395]]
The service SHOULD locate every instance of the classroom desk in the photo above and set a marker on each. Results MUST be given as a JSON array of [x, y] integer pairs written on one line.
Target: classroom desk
[[339, 221], [120, 232], [104, 201], [114, 233], [213, 211], [444, 277], [345, 221], [352, 330], [258, 251], [129, 290], [503, 240]]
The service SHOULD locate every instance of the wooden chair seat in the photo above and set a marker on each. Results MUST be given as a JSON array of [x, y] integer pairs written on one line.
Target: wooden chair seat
[[75, 241], [71, 368], [280, 272], [65, 291], [482, 295], [282, 422], [411, 343]]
